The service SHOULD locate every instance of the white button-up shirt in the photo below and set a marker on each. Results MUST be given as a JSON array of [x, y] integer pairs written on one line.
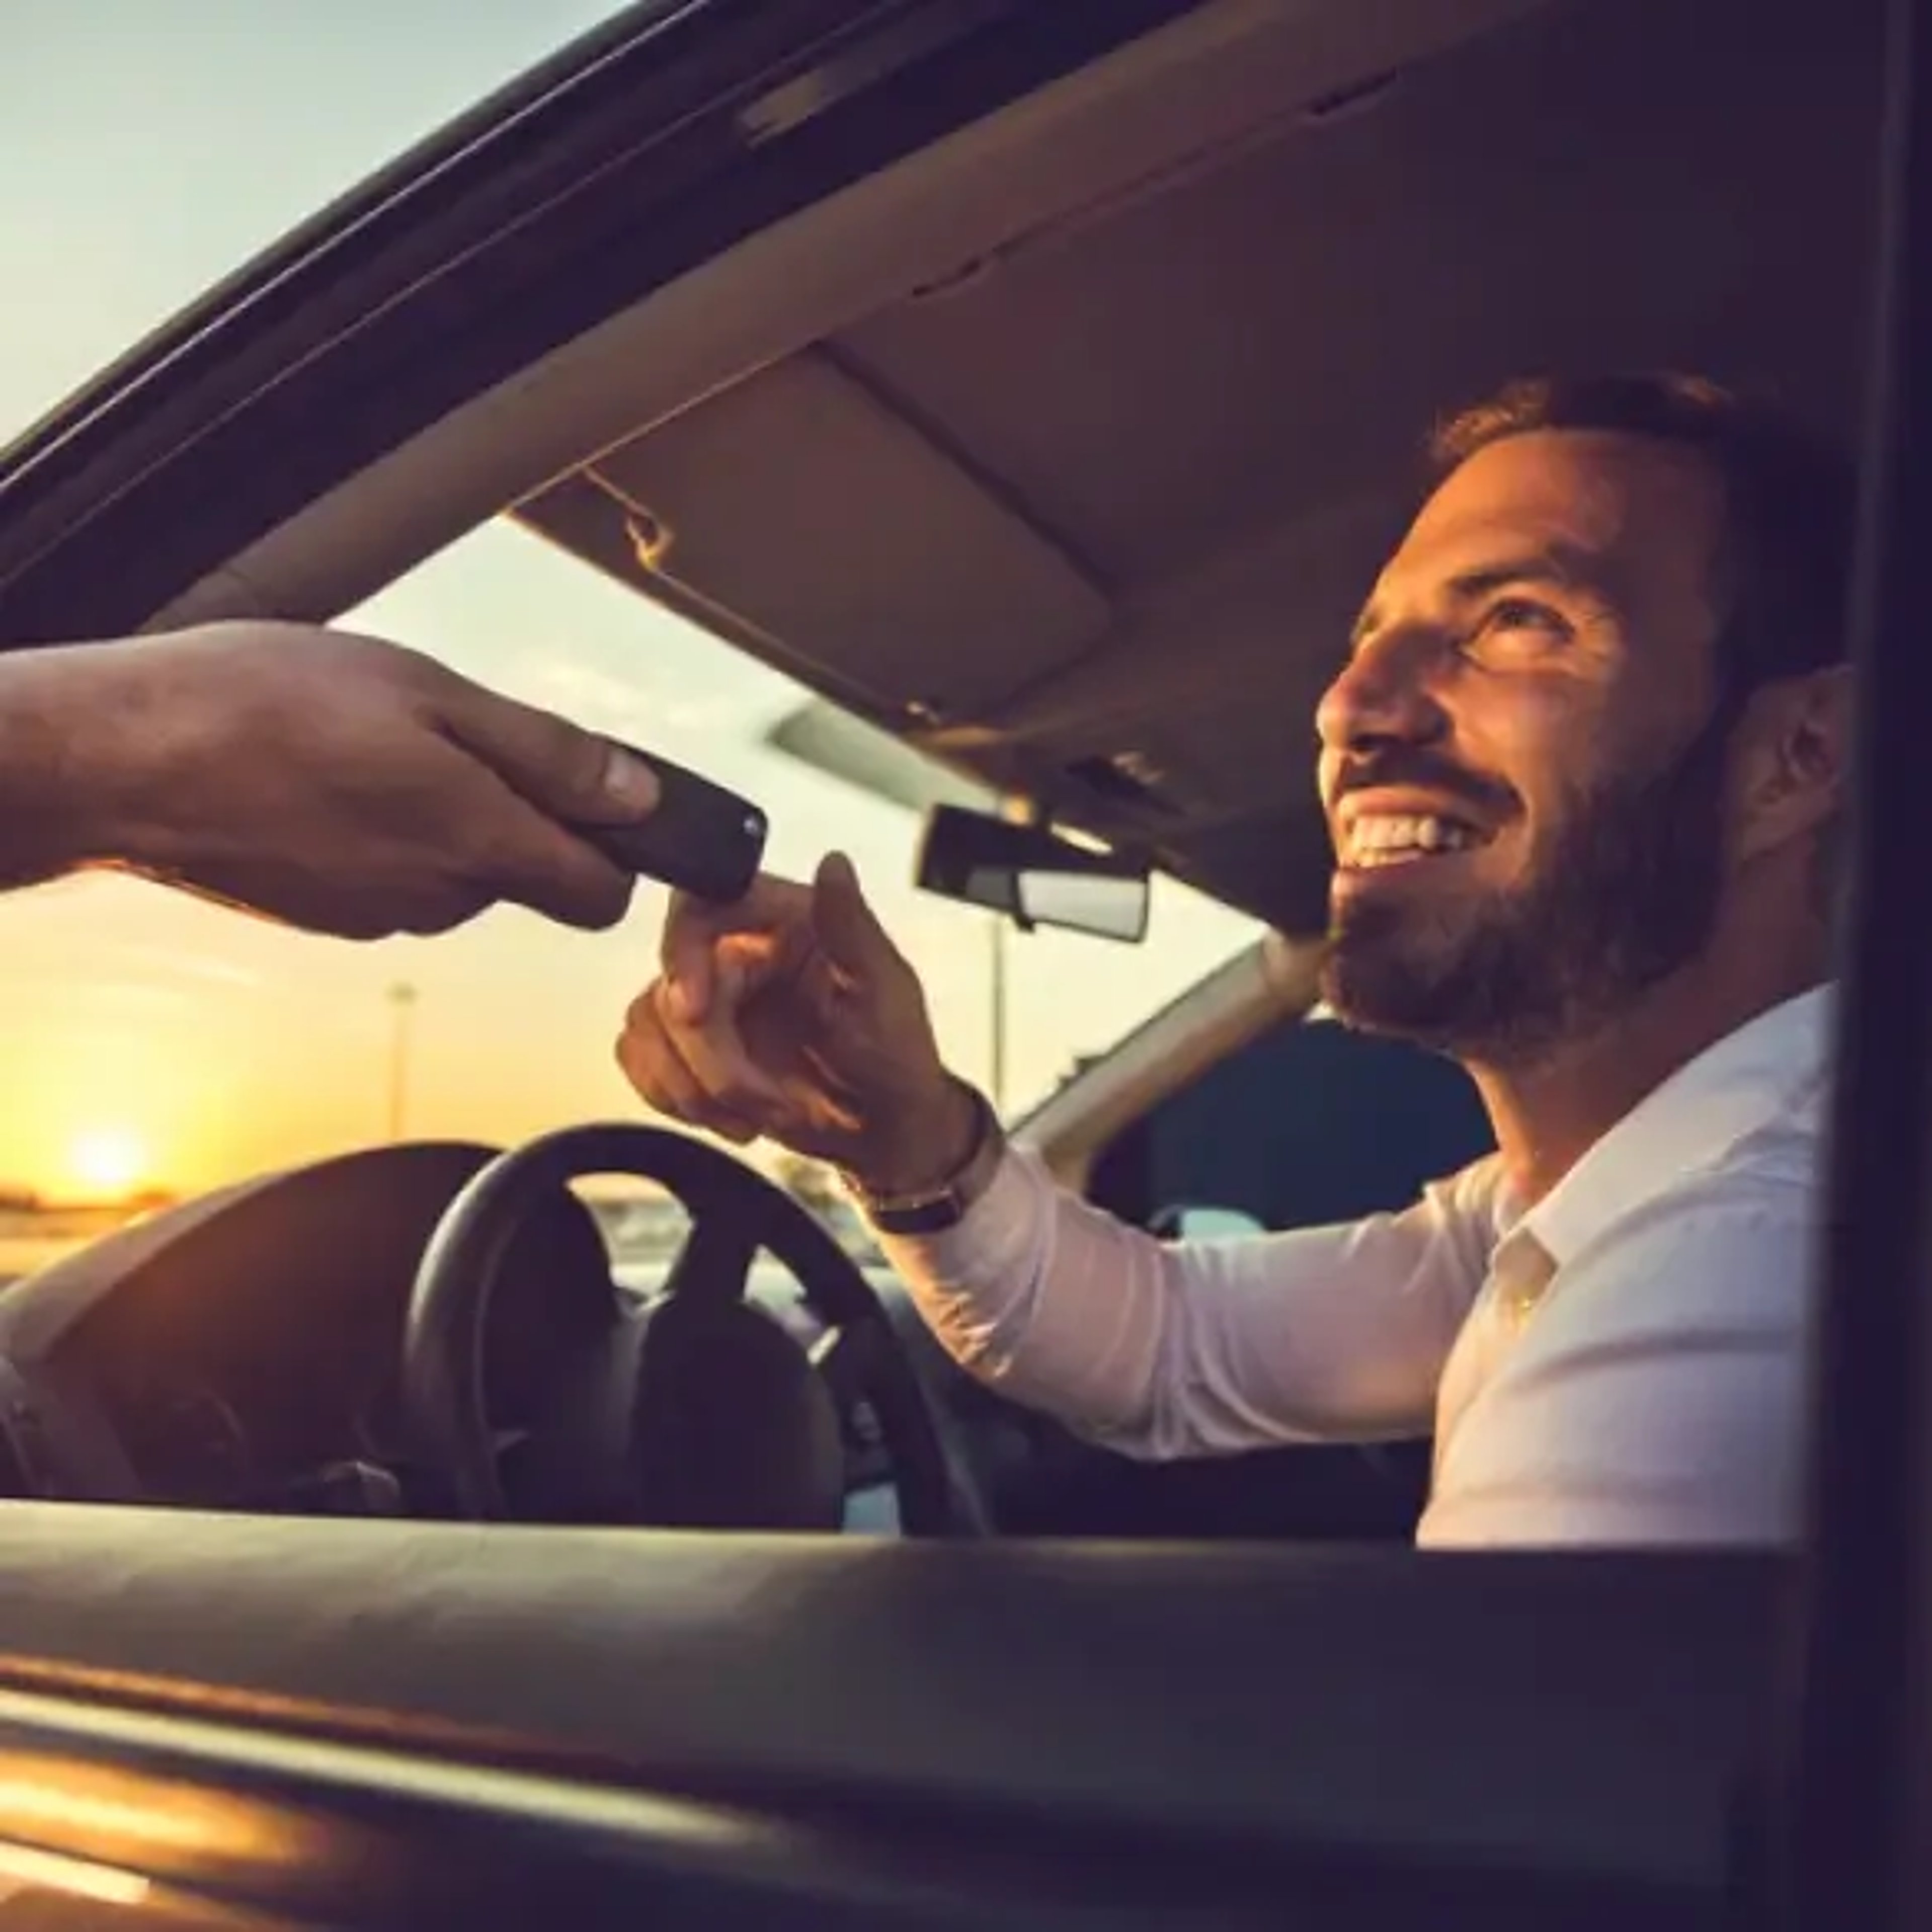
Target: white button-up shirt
[[1622, 1364]]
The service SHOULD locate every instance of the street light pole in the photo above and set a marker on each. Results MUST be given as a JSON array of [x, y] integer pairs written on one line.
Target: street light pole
[[402, 1002]]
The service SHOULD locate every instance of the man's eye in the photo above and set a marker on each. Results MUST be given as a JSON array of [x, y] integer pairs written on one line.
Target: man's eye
[[1523, 613]]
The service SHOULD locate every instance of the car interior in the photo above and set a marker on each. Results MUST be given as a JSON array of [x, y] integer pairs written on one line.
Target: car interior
[[1107, 586], [1044, 395]]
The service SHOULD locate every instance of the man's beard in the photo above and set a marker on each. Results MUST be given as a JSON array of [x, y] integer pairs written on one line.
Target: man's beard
[[1623, 897]]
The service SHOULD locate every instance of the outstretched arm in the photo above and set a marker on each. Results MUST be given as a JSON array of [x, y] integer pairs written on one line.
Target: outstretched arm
[[792, 1016], [1166, 1349], [329, 781]]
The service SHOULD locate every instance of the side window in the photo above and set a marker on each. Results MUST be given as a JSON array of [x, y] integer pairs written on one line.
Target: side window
[[1310, 1123]]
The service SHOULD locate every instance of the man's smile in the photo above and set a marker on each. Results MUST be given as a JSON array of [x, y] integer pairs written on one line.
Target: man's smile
[[1382, 831], [1377, 839]]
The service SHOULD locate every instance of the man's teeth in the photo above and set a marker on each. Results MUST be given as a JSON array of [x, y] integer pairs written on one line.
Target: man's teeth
[[1386, 840]]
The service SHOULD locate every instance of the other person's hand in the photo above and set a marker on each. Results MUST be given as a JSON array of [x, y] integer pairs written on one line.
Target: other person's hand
[[791, 1015], [330, 781]]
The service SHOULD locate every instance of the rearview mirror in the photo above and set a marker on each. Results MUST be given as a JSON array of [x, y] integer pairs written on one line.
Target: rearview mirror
[[1108, 905], [1033, 876]]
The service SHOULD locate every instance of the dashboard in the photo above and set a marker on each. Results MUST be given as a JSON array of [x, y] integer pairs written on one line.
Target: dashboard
[[243, 1351]]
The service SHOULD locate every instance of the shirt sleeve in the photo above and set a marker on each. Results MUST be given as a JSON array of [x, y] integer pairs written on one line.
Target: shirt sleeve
[[1656, 1399], [1166, 1349]]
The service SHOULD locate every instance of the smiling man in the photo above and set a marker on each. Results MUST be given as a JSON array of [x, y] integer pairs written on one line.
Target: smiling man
[[1583, 767]]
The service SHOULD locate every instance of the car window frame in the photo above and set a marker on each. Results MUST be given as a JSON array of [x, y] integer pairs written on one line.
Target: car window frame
[[1854, 1825], [1858, 1815]]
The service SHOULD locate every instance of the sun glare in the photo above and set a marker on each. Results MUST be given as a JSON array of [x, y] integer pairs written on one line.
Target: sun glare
[[108, 1162]]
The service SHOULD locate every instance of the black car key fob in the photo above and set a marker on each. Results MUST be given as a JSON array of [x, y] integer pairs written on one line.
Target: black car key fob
[[700, 839]]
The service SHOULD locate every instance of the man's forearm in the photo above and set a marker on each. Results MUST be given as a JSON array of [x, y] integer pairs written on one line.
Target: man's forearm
[[1164, 1349]]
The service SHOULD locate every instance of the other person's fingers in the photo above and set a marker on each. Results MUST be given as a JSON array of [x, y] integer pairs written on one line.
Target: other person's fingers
[[518, 854], [572, 775]]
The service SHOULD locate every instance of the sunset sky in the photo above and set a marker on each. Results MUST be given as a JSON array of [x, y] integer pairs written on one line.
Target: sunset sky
[[148, 149]]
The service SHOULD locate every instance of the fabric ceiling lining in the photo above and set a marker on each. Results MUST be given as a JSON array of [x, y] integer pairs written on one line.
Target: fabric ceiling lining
[[804, 506], [1113, 493]]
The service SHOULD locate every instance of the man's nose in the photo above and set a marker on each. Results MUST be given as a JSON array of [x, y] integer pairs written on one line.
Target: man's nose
[[1385, 694]]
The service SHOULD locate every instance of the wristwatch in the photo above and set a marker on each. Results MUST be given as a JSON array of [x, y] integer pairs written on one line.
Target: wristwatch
[[933, 1210]]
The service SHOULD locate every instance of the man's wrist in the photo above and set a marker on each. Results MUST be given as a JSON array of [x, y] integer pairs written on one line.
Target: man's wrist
[[926, 1149], [934, 1172]]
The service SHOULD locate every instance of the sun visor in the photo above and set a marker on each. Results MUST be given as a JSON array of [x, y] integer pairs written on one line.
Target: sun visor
[[798, 507]]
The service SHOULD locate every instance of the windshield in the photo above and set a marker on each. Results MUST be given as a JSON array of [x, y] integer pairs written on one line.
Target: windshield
[[161, 1045], [158, 1046]]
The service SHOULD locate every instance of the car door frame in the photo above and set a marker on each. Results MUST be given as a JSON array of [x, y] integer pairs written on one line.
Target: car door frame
[[1270, 981], [367, 1722]]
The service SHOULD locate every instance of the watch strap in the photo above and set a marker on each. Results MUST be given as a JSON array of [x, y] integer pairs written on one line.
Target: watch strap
[[932, 1211]]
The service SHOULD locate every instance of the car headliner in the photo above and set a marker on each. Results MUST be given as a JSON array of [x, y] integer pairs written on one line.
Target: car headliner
[[1089, 516], [1055, 422]]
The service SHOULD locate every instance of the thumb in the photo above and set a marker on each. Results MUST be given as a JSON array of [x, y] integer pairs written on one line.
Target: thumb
[[845, 926], [572, 775]]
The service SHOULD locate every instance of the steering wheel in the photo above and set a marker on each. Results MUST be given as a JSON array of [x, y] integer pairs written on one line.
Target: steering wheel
[[694, 1409]]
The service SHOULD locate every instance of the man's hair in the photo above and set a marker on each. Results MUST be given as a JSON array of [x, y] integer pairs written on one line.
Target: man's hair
[[1790, 503]]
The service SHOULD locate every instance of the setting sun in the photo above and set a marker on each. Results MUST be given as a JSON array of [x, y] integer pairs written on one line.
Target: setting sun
[[108, 1162]]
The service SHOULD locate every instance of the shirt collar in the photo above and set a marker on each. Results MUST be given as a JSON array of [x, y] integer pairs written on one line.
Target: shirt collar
[[1750, 1077]]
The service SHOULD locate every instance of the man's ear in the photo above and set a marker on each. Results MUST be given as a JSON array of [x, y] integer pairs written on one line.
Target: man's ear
[[1794, 766]]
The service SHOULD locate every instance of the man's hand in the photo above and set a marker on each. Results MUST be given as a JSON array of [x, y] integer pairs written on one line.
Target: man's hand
[[331, 781], [791, 1015]]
